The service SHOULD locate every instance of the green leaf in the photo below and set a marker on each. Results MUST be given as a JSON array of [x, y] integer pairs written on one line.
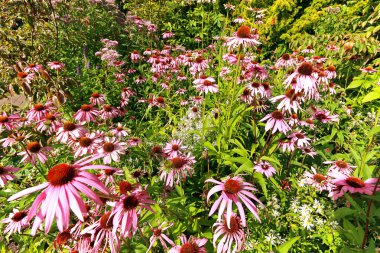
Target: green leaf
[[371, 96], [284, 248], [343, 212], [262, 182], [355, 84]]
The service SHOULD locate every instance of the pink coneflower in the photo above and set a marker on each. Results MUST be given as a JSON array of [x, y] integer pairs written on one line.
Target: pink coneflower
[[199, 65], [369, 70], [191, 245], [331, 72], [86, 113], [107, 176], [9, 122], [167, 34], [304, 80], [285, 61], [120, 131], [127, 209], [135, 56], [324, 116], [39, 111], [33, 68], [101, 232], [290, 101], [25, 77], [202, 78], [349, 109], [109, 112], [112, 149], [207, 86], [6, 174], [242, 37], [246, 96], [35, 151], [239, 20], [232, 234], [134, 141], [61, 193], [308, 49], [97, 98], [332, 47], [308, 122], [234, 190], [86, 145], [70, 131], [286, 145], [224, 71], [50, 123], [158, 234], [309, 151], [340, 166], [276, 122], [176, 169], [174, 148], [16, 221], [265, 168], [345, 183], [56, 65], [299, 139], [319, 181], [256, 89]]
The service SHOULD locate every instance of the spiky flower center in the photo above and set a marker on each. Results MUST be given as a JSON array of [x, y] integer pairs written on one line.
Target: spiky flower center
[[341, 164], [160, 100], [355, 182], [69, 126], [285, 57], [124, 187], [33, 147], [109, 172], [194, 109], [61, 174], [246, 92], [95, 95], [331, 68], [188, 248], [4, 119], [306, 68], [130, 202], [244, 32], [319, 178], [85, 141], [278, 115], [157, 232], [300, 136], [22, 75], [19, 216], [108, 147], [86, 107], [207, 83], [232, 186], [175, 147], [178, 162], [119, 128], [63, 237], [234, 225], [255, 85], [199, 59], [309, 121], [107, 108], [38, 107], [50, 117], [2, 170], [156, 150], [106, 221]]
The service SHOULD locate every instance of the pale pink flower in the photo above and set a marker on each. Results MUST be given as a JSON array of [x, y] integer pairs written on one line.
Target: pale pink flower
[[198, 65], [368, 70], [61, 193], [332, 47], [286, 61], [308, 151], [276, 122], [193, 245], [286, 145], [239, 20], [33, 68], [234, 190], [50, 123], [25, 77], [134, 141], [158, 234], [127, 210], [70, 131], [35, 151], [102, 233], [308, 49], [135, 56], [86, 113], [167, 34], [176, 169], [243, 37], [109, 112], [304, 80], [324, 116], [299, 139], [174, 148], [340, 166], [345, 183], [233, 234], [9, 122], [97, 98], [317, 180], [86, 144], [56, 65], [331, 72], [6, 174], [207, 86], [288, 102], [16, 221], [107, 176], [120, 131], [265, 168], [39, 111], [112, 149]]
